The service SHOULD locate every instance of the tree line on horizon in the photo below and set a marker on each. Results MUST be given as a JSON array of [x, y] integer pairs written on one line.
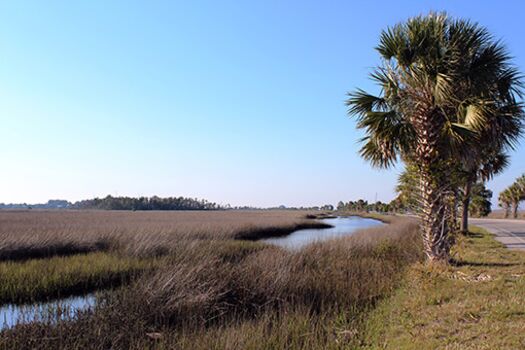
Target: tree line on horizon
[[510, 198], [362, 205], [124, 203], [449, 107], [146, 203]]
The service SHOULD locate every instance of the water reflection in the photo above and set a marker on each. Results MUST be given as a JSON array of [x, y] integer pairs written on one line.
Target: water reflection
[[53, 311], [342, 226]]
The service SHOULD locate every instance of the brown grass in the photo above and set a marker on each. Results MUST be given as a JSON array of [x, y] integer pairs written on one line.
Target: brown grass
[[35, 234], [217, 293]]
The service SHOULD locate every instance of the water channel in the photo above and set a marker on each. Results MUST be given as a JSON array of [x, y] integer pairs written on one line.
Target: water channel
[[341, 226]]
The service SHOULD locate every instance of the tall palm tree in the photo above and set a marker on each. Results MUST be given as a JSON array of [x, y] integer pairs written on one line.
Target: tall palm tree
[[441, 80]]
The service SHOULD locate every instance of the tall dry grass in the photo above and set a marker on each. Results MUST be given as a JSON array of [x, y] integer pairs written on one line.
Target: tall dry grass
[[35, 234], [216, 293]]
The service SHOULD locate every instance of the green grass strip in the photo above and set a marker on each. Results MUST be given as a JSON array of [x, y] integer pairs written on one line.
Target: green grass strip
[[57, 277]]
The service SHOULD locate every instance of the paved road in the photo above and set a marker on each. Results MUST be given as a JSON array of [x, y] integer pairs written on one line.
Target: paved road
[[509, 232]]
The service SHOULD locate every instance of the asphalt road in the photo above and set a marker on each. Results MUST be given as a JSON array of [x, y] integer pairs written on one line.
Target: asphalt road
[[509, 232]]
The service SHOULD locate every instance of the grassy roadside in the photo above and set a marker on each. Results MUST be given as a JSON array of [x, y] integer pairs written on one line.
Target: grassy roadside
[[477, 304]]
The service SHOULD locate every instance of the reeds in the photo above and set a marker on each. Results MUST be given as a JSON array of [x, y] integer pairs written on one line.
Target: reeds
[[59, 277], [37, 234], [215, 292]]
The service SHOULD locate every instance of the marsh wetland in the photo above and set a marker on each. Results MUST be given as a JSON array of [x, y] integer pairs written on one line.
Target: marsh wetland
[[170, 279]]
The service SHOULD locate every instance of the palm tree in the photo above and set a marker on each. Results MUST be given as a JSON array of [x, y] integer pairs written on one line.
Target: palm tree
[[483, 167], [505, 201], [516, 194], [408, 188], [511, 197], [442, 81], [517, 190], [480, 205], [520, 182]]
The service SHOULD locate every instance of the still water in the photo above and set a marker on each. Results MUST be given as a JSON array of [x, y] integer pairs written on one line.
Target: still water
[[342, 226], [62, 309]]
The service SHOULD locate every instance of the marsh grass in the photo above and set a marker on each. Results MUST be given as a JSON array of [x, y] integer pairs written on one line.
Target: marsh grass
[[58, 277], [37, 234], [216, 292]]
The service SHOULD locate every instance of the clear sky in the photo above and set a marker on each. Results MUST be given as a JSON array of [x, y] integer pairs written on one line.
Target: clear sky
[[238, 102]]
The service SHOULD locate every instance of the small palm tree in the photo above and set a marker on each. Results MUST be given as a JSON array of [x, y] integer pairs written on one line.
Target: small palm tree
[[408, 188], [443, 83], [505, 200], [511, 197], [516, 195], [489, 162]]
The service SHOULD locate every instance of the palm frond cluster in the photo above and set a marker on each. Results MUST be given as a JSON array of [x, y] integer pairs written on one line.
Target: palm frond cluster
[[510, 198], [448, 106]]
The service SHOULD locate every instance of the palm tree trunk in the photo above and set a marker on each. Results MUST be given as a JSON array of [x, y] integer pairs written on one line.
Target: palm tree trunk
[[435, 214], [454, 226], [515, 210], [465, 204], [433, 171]]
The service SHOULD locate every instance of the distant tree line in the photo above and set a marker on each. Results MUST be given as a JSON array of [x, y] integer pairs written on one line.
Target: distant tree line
[[362, 205], [50, 204], [125, 203]]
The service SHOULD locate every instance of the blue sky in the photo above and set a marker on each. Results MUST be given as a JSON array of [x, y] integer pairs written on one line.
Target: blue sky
[[237, 102]]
